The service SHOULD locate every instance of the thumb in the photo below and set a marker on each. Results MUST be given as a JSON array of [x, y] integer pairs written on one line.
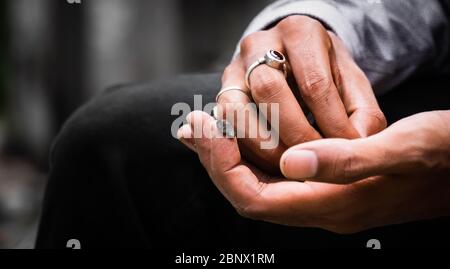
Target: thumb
[[344, 161]]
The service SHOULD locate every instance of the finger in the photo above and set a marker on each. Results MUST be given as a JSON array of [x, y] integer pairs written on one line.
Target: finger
[[343, 161], [235, 180], [357, 94], [269, 86], [258, 144], [253, 193], [309, 50]]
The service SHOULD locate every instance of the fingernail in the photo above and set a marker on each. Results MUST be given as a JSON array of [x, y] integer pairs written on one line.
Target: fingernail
[[299, 164]]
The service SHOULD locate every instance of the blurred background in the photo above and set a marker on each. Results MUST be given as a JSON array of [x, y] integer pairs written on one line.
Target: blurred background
[[55, 55]]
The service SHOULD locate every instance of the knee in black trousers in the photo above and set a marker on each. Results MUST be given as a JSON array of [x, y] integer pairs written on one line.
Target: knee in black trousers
[[119, 179]]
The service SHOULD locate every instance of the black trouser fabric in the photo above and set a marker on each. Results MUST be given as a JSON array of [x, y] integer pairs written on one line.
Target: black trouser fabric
[[119, 179]]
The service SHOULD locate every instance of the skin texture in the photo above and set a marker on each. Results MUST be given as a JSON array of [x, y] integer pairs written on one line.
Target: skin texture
[[351, 179], [399, 175], [324, 79]]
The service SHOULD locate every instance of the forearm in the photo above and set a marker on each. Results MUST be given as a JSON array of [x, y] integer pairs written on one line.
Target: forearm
[[390, 39]]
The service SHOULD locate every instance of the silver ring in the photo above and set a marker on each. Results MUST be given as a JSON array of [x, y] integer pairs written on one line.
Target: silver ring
[[273, 58], [231, 88]]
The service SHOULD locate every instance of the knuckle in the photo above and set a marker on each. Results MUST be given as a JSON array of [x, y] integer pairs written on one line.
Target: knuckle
[[291, 22], [316, 86], [250, 41], [228, 71], [346, 165], [294, 21], [247, 43], [312, 24], [265, 85], [299, 27]]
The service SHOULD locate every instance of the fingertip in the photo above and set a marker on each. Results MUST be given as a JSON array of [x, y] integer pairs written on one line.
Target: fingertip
[[185, 132], [369, 122]]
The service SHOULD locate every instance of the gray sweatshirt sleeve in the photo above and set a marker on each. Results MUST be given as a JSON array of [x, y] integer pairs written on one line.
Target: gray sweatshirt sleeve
[[389, 39]]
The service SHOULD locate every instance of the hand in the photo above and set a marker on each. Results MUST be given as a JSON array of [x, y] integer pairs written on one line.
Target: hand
[[418, 146], [399, 175], [325, 76]]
